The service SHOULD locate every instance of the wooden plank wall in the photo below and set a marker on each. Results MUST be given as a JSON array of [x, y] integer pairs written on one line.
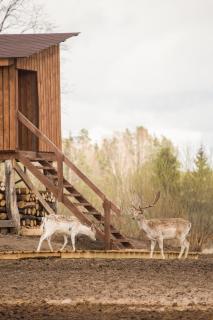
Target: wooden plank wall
[[47, 65], [7, 108]]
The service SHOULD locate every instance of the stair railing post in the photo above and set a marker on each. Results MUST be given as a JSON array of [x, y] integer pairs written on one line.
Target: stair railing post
[[107, 211], [60, 176]]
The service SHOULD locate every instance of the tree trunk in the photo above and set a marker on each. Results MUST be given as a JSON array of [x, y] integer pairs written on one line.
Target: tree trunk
[[10, 194]]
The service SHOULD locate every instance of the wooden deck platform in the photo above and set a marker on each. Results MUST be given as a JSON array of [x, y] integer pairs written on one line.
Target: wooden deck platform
[[92, 254]]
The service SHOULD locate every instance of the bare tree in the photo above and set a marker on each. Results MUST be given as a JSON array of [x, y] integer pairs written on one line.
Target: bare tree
[[20, 16]]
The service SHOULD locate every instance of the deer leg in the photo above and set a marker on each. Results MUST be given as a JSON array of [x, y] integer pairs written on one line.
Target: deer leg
[[43, 237], [49, 243], [153, 243], [186, 242], [65, 243], [182, 243], [73, 240], [160, 243]]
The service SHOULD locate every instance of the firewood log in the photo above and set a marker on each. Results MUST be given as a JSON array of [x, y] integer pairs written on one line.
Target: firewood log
[[2, 196], [2, 203], [2, 186], [33, 211], [3, 216]]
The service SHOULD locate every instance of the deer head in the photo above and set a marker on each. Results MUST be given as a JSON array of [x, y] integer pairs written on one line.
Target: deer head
[[139, 210]]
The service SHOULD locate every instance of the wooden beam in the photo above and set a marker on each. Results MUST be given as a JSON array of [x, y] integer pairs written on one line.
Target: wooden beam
[[18, 181], [92, 254], [33, 156], [107, 209], [7, 155], [6, 62], [10, 194], [7, 224], [30, 185], [60, 177]]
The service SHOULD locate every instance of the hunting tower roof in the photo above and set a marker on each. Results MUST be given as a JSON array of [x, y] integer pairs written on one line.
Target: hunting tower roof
[[24, 45]]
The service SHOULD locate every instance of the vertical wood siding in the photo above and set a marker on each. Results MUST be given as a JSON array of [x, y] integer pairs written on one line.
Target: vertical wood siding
[[7, 108], [47, 65], [28, 105]]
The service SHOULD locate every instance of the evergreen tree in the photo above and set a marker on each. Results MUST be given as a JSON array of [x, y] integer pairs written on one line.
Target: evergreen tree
[[166, 170], [202, 168]]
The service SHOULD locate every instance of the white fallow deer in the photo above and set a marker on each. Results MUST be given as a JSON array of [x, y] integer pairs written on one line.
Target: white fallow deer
[[56, 224], [158, 230]]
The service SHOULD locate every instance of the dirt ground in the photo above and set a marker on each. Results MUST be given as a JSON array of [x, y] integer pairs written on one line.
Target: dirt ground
[[103, 289]]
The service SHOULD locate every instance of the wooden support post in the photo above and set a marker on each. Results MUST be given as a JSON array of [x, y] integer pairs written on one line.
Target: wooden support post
[[60, 177], [10, 194], [107, 209]]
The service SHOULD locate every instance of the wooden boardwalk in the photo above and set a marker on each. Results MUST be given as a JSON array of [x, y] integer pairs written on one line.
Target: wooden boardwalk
[[92, 254]]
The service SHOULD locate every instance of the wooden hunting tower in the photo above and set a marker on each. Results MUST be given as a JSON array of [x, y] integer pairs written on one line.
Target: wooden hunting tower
[[30, 83], [30, 128]]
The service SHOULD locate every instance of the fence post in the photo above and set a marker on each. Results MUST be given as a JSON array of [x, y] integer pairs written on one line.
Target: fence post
[[107, 209]]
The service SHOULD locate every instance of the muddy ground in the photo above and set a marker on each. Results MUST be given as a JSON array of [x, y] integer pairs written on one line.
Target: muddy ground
[[104, 289]]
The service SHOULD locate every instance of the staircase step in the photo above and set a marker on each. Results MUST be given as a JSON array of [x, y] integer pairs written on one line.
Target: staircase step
[[115, 232], [32, 159], [68, 185], [44, 167], [52, 176], [96, 215], [79, 204], [72, 194], [99, 218]]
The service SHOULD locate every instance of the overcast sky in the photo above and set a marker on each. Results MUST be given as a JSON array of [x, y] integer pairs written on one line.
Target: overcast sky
[[138, 62]]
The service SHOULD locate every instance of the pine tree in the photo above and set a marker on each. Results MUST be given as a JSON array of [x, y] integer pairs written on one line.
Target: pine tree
[[202, 169], [166, 170]]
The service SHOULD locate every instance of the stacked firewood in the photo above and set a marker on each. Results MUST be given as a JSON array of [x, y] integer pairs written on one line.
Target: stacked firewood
[[30, 210]]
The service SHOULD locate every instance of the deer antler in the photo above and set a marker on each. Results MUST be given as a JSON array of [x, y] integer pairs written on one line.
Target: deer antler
[[137, 209], [157, 197]]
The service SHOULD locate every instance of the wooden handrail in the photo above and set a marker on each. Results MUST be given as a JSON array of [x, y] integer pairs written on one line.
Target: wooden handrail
[[92, 186], [27, 123], [60, 155]]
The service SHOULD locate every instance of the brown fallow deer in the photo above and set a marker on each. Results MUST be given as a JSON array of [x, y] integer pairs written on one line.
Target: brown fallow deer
[[158, 230]]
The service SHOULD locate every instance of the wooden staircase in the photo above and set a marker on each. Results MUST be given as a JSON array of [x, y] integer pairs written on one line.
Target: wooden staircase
[[53, 179]]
